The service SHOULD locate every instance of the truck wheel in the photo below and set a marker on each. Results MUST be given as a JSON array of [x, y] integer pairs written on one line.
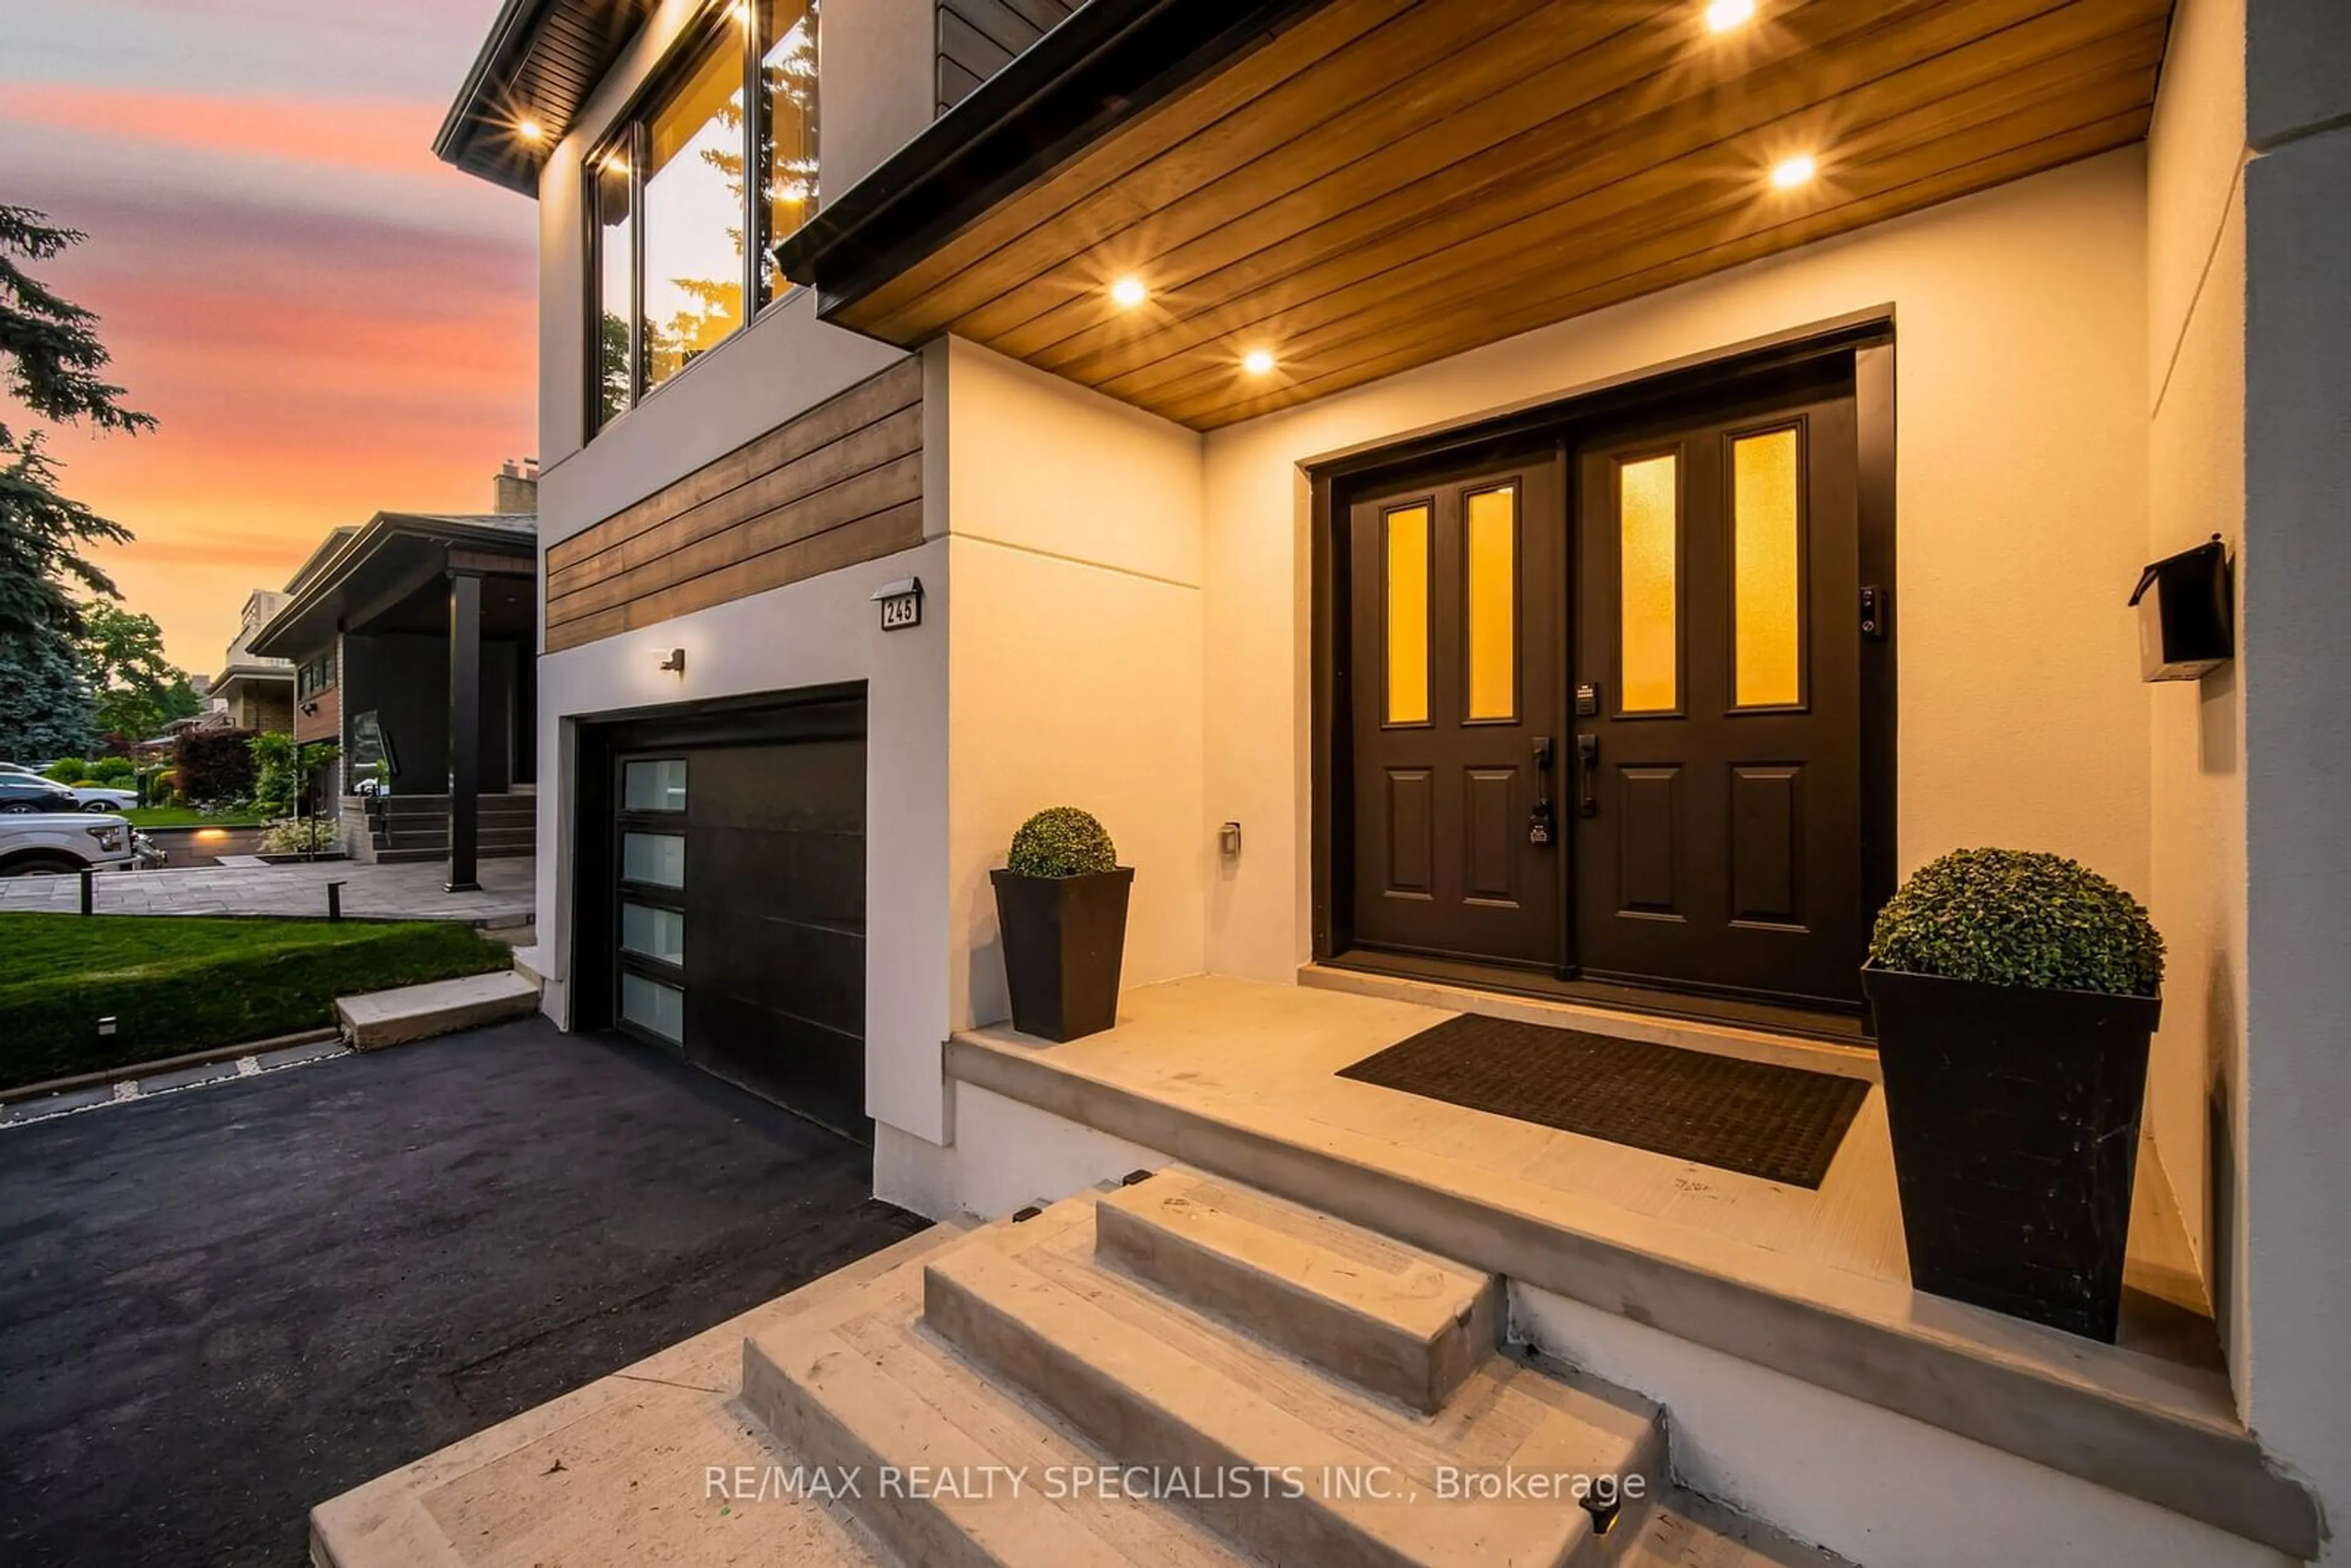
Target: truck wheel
[[40, 864]]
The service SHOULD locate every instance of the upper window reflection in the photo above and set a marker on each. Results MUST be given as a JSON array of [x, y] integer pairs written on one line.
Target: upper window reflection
[[691, 192], [788, 148], [693, 217]]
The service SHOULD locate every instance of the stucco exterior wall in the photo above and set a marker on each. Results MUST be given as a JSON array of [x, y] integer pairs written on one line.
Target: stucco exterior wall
[[2195, 828], [1075, 668], [2021, 406], [2295, 647]]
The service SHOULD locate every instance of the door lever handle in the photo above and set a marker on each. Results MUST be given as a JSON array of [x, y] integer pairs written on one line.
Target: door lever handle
[[1539, 820], [1587, 758]]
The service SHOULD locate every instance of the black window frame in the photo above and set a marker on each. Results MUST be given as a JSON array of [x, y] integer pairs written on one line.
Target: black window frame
[[314, 675], [721, 26]]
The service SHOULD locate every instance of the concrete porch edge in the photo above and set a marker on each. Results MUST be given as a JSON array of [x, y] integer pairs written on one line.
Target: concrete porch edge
[[2060, 1402]]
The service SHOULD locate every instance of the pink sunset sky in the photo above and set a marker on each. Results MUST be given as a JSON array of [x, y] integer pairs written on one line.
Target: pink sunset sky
[[327, 320]]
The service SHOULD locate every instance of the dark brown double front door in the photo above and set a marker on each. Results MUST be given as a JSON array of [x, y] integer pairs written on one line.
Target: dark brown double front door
[[1605, 704]]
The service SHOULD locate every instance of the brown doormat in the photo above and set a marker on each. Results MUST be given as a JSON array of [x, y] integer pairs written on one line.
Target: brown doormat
[[1783, 1123]]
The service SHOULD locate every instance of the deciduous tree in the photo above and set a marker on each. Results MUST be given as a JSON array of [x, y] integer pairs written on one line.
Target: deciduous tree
[[137, 691]]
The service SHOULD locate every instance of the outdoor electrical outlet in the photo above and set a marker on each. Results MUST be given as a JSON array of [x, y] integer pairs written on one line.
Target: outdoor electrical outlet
[[1229, 838]]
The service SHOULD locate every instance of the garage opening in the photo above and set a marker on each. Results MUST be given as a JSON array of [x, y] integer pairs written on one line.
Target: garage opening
[[720, 893]]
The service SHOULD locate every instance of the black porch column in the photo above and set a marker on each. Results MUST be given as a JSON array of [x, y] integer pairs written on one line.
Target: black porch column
[[464, 728]]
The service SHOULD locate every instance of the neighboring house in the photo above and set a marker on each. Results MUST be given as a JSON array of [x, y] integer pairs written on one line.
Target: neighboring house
[[1390, 428], [253, 691], [408, 640]]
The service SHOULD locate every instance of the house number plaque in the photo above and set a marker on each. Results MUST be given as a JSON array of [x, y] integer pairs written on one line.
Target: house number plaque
[[901, 602]]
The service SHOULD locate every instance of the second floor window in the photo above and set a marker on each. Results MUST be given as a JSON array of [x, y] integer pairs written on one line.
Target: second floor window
[[691, 191], [315, 675]]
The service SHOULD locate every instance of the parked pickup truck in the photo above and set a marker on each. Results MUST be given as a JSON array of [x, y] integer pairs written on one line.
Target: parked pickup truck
[[54, 843]]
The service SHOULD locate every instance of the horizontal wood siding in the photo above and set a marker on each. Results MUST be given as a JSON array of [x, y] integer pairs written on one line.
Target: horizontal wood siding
[[978, 38], [1385, 184], [327, 724], [839, 484]]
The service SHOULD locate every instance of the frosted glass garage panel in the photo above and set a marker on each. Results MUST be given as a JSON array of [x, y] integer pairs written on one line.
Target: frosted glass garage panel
[[654, 1007], [657, 860], [653, 933], [655, 786]]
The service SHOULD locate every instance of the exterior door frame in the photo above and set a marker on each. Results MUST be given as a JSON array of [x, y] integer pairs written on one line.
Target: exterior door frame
[[1865, 338]]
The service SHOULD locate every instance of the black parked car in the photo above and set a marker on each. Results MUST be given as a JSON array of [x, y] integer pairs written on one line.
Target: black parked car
[[21, 795]]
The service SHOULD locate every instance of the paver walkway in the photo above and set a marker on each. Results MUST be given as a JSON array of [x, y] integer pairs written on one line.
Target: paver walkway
[[409, 892], [225, 1304]]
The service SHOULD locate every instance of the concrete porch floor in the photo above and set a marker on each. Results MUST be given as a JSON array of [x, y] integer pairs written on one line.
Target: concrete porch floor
[[1239, 1078], [1275, 1050]]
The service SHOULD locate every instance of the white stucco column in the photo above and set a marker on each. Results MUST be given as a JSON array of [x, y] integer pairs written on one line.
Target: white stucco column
[[2297, 654]]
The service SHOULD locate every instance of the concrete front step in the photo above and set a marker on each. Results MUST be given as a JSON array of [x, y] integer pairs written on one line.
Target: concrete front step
[[868, 1394], [440, 1007], [1386, 1317], [1157, 1385], [1021, 1350]]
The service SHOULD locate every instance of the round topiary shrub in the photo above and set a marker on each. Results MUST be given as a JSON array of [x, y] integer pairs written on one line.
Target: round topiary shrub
[[1061, 840], [2015, 917]]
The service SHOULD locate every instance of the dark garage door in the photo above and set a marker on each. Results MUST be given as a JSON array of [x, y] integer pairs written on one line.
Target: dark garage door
[[732, 910]]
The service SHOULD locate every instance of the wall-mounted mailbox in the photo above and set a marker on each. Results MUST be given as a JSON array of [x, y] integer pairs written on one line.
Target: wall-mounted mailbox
[[2187, 628]]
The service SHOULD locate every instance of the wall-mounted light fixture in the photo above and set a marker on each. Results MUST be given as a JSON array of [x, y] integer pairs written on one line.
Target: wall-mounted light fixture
[[676, 661]]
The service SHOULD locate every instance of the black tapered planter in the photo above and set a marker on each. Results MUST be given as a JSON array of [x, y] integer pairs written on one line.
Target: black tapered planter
[[2015, 1115], [1063, 939]]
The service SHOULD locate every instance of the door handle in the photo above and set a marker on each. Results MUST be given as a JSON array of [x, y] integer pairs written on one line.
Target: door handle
[[1538, 819], [1587, 758]]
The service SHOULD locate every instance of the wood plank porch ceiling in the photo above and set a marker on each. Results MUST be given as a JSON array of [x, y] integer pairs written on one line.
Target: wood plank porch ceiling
[[1386, 182]]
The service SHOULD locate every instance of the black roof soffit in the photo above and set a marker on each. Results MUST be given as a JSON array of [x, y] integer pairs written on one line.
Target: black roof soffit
[[543, 58]]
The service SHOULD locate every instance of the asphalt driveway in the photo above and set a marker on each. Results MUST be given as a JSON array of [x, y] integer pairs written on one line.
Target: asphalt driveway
[[221, 1306]]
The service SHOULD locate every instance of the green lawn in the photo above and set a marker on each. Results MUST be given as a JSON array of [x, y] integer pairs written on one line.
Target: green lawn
[[176, 983], [188, 817]]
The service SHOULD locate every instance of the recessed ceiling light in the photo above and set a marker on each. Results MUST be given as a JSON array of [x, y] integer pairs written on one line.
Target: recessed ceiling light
[[1793, 171], [1128, 292], [1258, 361], [1724, 15], [529, 129]]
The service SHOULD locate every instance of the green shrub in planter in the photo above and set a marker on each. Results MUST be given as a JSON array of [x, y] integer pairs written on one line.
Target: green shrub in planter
[[1060, 902], [2014, 917], [1061, 840], [2014, 996]]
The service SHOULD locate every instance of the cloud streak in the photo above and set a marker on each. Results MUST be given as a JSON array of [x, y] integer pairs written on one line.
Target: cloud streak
[[326, 322]]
